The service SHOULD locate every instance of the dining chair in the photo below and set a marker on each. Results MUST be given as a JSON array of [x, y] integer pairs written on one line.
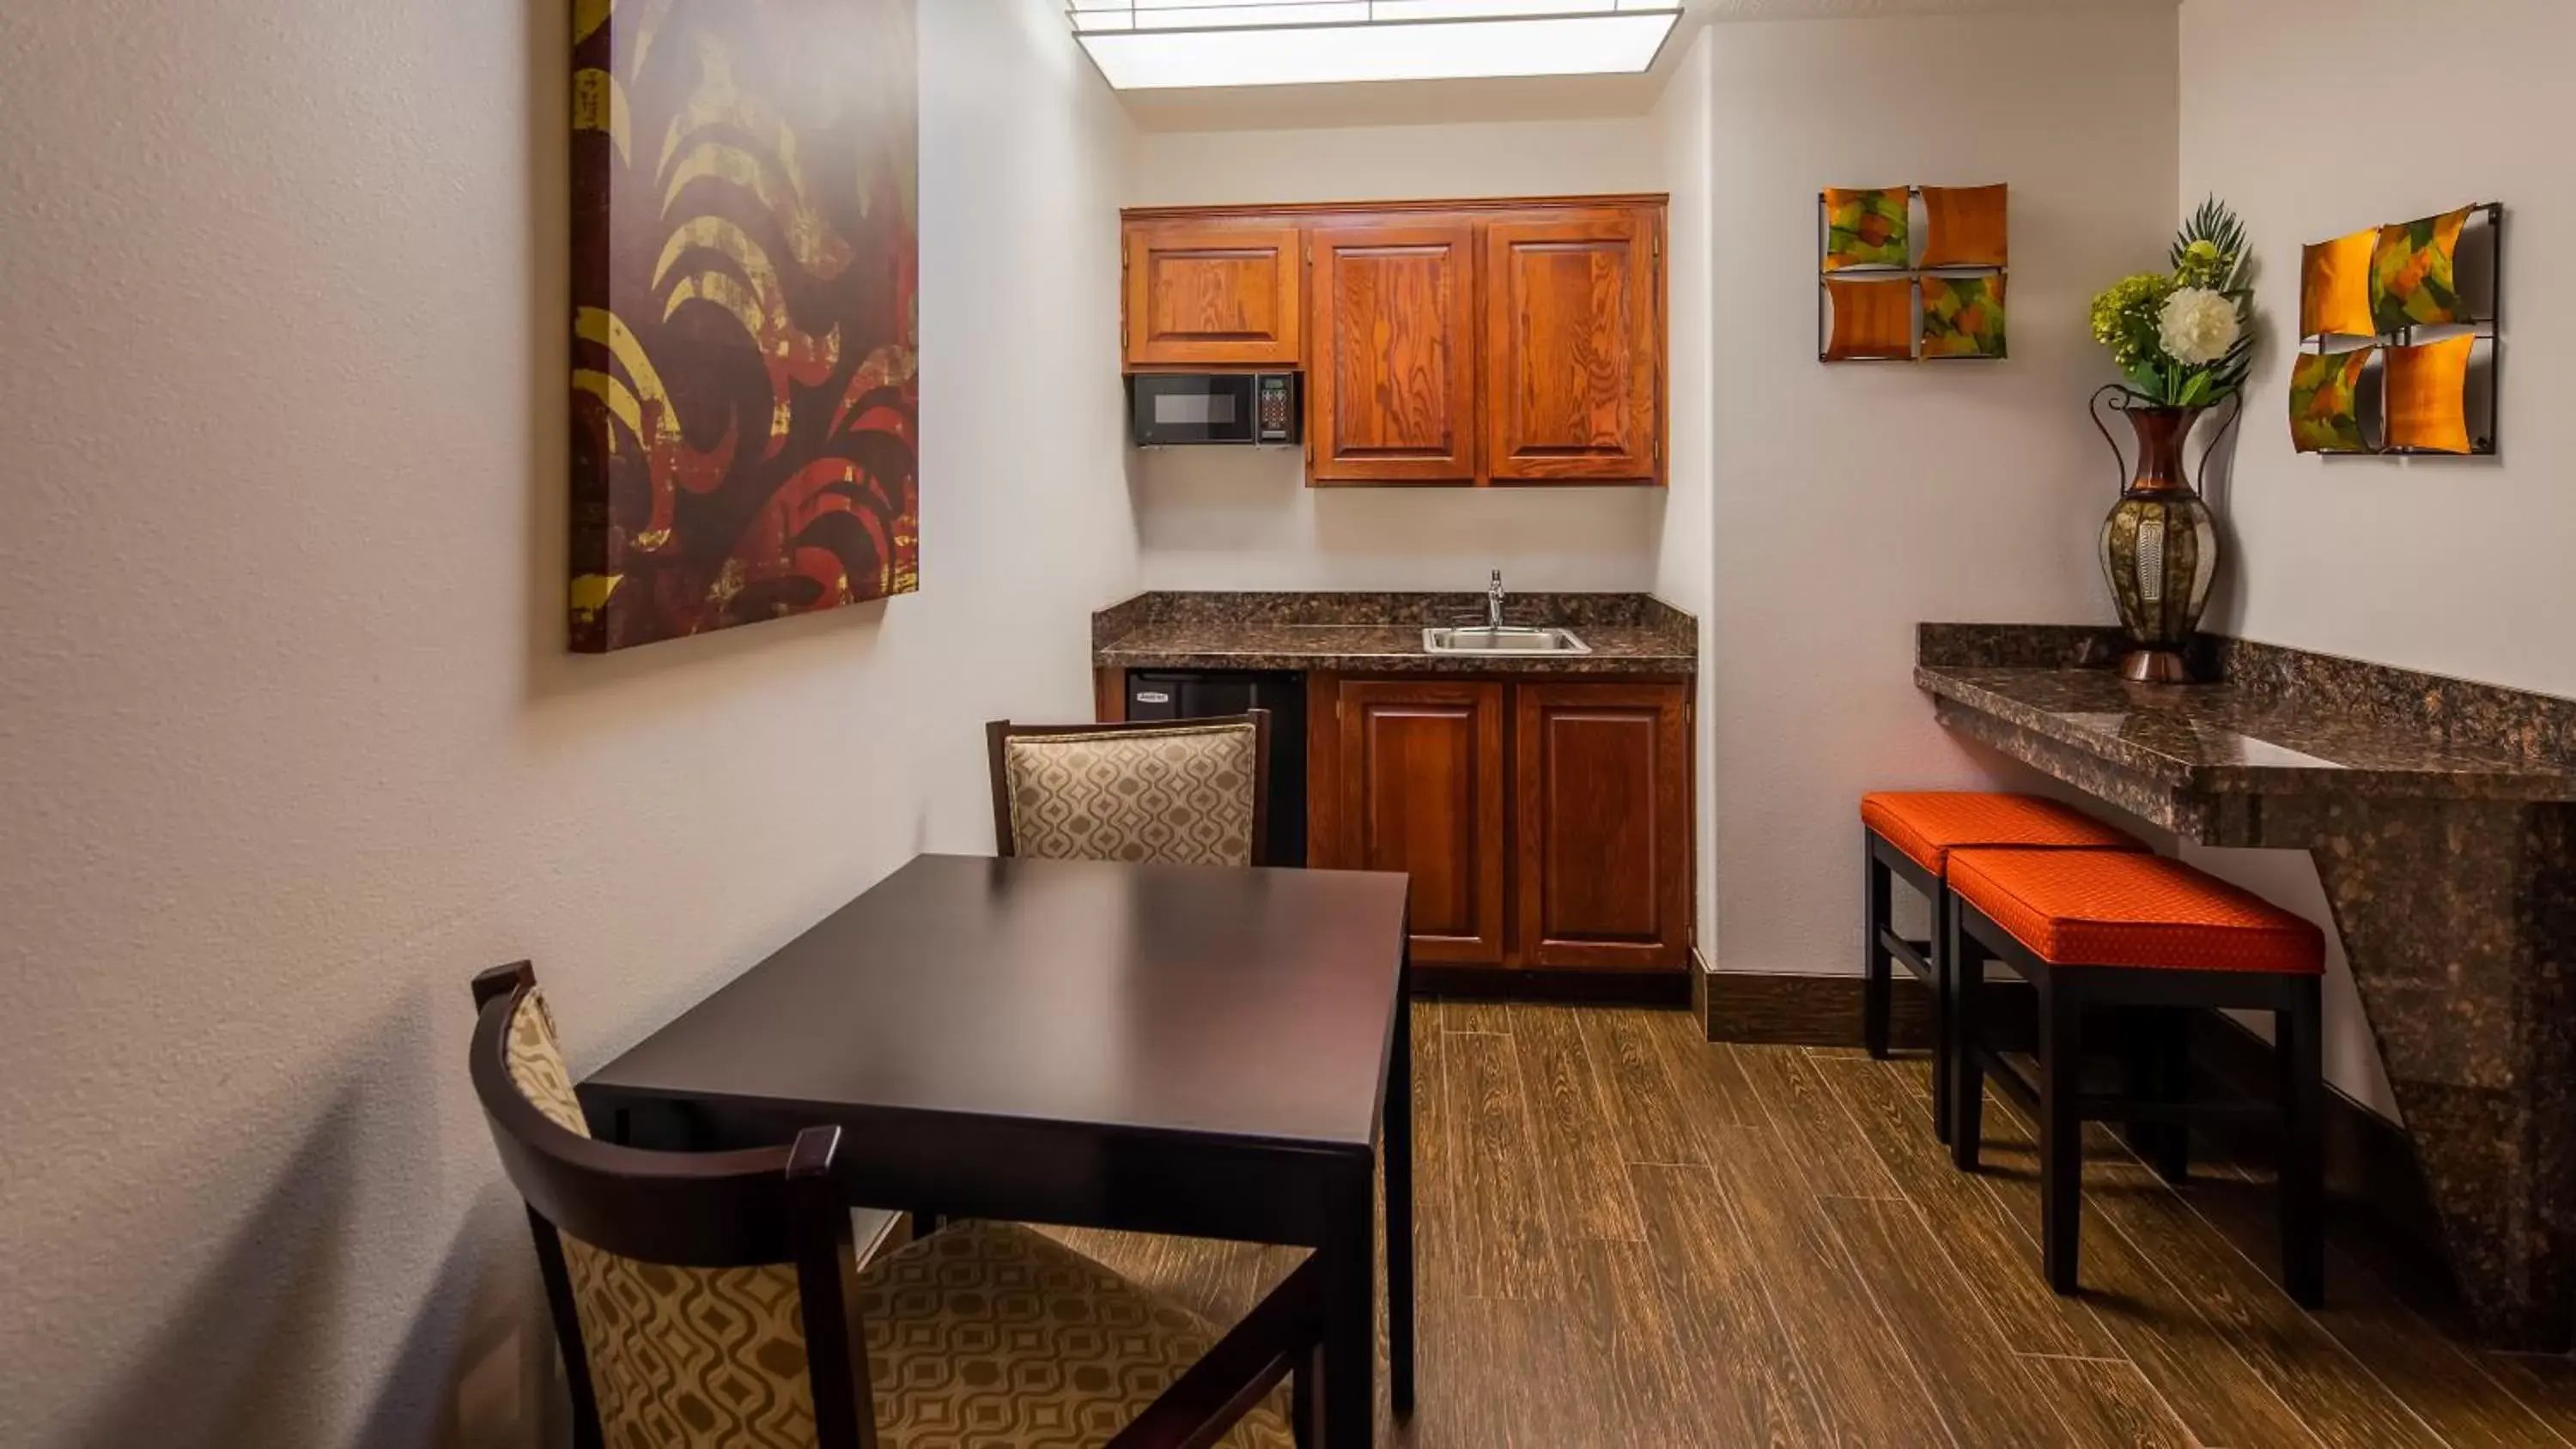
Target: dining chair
[[705, 1299], [1189, 792]]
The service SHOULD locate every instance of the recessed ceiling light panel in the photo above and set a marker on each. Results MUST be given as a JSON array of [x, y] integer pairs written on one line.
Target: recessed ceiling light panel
[[1161, 44]]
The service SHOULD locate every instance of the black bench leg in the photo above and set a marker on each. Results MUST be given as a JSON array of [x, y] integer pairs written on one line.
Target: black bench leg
[[2061, 1128], [1966, 1027], [1945, 1045], [2301, 1056], [1876, 898]]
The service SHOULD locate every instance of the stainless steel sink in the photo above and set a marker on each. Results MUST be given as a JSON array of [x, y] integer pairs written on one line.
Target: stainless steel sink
[[1483, 640]]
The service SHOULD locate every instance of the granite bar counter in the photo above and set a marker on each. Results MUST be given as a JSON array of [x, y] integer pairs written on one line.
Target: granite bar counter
[[1633, 635], [2439, 815]]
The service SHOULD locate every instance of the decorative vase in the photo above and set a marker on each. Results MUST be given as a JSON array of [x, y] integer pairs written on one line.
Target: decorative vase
[[2160, 544]]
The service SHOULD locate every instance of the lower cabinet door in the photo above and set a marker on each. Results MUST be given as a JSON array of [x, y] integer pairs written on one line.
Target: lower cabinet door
[[1603, 875], [1422, 792]]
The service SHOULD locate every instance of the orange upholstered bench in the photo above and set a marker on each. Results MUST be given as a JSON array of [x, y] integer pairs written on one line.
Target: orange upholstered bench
[[1910, 835], [2155, 939]]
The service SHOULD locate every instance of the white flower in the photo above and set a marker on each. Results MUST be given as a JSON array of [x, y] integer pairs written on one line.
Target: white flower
[[2198, 325]]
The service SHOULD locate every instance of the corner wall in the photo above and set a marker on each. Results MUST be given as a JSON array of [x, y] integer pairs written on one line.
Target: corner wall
[[1682, 568], [1852, 502], [289, 747]]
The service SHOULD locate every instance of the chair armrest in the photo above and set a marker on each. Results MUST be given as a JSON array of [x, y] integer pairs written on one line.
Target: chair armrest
[[1224, 1385]]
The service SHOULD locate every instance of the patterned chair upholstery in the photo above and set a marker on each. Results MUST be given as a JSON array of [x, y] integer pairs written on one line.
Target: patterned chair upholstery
[[981, 1336], [1183, 794]]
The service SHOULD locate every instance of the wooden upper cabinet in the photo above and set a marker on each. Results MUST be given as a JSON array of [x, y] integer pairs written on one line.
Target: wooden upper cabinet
[[1213, 294], [1574, 348], [1391, 385], [1421, 773], [1603, 875]]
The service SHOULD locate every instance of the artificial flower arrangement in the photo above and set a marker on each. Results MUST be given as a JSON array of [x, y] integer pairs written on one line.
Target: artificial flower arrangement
[[2185, 339]]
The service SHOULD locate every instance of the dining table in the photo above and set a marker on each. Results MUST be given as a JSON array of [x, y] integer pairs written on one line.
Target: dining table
[[1196, 1050]]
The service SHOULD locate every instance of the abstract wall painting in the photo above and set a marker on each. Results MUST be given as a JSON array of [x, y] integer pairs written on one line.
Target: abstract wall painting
[[746, 319], [2325, 401], [2401, 330], [2414, 273], [1868, 227], [1912, 273], [1963, 316]]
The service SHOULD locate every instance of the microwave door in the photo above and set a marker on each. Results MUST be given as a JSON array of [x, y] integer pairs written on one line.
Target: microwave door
[[1184, 409]]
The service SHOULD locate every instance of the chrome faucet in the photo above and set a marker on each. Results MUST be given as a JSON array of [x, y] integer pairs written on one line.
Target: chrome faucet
[[1494, 600]]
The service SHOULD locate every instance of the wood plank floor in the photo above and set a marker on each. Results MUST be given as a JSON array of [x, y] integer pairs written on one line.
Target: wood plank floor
[[1632, 1237]]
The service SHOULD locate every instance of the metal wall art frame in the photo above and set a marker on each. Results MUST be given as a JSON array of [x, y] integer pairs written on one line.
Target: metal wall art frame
[[1912, 274], [2401, 340]]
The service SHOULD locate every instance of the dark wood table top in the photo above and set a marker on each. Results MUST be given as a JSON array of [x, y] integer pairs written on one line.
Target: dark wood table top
[[1252, 1005]]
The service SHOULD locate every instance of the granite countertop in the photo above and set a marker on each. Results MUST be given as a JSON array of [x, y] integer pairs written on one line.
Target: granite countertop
[[2275, 722], [1630, 634]]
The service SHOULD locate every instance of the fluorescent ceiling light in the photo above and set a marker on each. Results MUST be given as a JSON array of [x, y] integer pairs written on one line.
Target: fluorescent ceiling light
[[1159, 44]]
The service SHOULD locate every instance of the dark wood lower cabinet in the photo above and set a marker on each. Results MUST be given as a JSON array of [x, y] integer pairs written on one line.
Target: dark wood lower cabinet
[[1602, 870], [1421, 785], [1546, 823]]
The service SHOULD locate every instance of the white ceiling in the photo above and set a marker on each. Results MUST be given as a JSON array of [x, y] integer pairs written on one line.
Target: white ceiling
[[1535, 99]]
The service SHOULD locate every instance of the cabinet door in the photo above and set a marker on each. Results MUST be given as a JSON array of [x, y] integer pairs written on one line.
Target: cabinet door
[[1391, 392], [1574, 343], [1213, 294], [1422, 792], [1604, 872]]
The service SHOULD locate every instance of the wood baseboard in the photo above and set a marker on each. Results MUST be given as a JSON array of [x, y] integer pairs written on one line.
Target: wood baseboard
[[1594, 988], [1772, 1010]]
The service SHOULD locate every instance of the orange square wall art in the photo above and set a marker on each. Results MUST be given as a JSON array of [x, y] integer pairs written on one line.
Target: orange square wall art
[[746, 313], [2426, 296], [1966, 226], [1868, 227], [2334, 287], [1963, 317], [2414, 273], [2325, 401], [1872, 320], [1912, 273], [2428, 396]]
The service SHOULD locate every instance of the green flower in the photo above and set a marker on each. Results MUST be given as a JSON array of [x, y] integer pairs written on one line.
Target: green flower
[[2203, 265], [2127, 315]]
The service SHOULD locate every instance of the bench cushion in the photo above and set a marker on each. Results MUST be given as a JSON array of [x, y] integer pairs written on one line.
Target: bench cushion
[[1928, 825], [2106, 908]]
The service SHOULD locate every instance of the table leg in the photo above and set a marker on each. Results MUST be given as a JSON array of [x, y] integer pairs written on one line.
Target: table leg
[[1399, 1204], [1350, 1304]]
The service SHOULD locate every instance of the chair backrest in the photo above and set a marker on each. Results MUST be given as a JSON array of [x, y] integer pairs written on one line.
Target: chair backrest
[[1189, 792], [700, 1298]]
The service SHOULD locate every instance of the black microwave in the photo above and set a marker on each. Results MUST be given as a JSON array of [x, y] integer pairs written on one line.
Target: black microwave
[[1169, 409]]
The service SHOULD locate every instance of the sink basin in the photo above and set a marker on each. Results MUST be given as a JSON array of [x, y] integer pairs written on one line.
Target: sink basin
[[1504, 641]]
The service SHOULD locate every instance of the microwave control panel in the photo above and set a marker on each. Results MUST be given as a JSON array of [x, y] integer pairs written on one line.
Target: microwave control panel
[[1274, 408]]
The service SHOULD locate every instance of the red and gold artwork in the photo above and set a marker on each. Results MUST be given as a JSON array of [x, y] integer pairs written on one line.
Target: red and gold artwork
[[746, 313]]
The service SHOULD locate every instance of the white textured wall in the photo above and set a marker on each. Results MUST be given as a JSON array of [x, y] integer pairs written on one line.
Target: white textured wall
[[1241, 519], [2456, 567], [287, 745], [1852, 502]]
